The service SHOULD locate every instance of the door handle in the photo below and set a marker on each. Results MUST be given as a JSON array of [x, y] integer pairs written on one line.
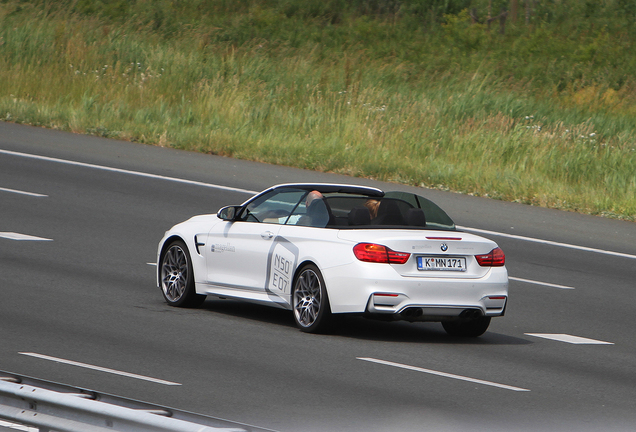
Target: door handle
[[267, 235]]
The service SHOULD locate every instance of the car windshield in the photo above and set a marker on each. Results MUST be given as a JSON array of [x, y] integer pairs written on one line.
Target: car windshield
[[340, 210]]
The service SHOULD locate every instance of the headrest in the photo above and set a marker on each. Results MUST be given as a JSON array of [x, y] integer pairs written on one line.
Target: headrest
[[415, 217], [359, 216]]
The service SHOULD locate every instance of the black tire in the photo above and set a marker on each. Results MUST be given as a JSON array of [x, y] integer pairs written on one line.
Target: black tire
[[176, 277], [467, 327], [310, 303]]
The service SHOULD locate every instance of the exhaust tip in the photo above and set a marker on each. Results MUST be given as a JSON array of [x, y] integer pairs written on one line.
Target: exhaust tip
[[412, 313], [470, 313]]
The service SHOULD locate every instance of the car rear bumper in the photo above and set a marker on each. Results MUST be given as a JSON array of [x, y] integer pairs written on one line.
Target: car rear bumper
[[378, 289]]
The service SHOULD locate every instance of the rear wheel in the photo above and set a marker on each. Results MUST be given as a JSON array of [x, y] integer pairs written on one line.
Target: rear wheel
[[177, 278], [312, 312], [467, 327]]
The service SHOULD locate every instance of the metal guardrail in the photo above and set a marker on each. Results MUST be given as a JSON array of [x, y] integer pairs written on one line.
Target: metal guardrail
[[57, 407]]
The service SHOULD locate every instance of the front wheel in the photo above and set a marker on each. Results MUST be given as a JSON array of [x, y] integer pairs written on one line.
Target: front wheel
[[467, 328], [312, 312], [177, 277]]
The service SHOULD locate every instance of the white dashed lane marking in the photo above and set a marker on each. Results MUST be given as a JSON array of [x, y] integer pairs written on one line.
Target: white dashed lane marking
[[23, 192], [18, 236], [569, 338], [443, 374], [540, 283], [99, 368]]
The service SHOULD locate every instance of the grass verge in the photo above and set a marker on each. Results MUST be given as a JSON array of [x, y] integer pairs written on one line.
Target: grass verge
[[542, 115]]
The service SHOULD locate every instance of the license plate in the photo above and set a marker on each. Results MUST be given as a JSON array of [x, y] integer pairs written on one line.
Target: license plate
[[441, 263]]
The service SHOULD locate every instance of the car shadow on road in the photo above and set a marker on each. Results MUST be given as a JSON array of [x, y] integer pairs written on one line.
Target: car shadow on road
[[361, 328], [250, 311], [357, 327]]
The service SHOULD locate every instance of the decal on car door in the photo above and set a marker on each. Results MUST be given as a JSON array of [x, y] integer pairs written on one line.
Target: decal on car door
[[281, 263]]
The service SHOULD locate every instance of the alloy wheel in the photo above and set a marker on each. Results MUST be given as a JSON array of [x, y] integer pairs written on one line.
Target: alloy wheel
[[307, 298], [174, 273]]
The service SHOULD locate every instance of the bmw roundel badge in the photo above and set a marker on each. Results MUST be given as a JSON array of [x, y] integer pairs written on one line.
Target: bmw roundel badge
[[444, 247]]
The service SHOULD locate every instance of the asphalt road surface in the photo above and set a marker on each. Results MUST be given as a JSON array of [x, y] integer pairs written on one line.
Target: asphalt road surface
[[82, 288]]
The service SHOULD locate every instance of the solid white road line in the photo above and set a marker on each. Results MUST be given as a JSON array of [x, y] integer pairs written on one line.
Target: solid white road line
[[246, 191], [548, 242], [123, 171], [22, 192], [569, 338], [18, 236], [443, 374], [539, 283], [99, 368]]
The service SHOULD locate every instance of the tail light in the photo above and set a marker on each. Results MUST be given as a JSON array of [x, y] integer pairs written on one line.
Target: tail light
[[370, 252], [495, 258]]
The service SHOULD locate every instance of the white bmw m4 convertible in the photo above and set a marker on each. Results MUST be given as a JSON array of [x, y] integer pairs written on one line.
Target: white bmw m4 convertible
[[321, 250]]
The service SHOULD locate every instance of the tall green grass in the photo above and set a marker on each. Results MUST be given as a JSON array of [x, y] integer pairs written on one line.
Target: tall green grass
[[543, 114]]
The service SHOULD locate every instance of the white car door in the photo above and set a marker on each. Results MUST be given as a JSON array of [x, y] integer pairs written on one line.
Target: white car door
[[238, 252], [236, 256]]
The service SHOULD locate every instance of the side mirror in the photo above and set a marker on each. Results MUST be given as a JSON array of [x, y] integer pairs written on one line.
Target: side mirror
[[228, 213]]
